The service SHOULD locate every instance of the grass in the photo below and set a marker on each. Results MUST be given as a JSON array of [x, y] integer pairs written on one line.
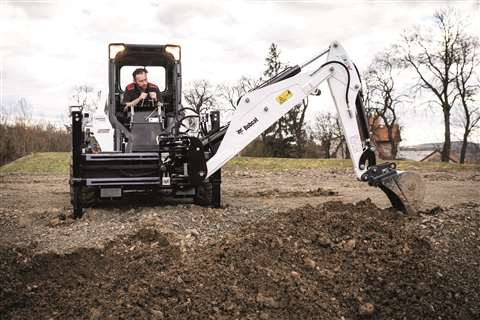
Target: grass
[[42, 162], [58, 162], [287, 163], [436, 166]]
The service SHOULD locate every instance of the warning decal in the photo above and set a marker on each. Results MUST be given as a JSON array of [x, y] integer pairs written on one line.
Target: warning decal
[[284, 96]]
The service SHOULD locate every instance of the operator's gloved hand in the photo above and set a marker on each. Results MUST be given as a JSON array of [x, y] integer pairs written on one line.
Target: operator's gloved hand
[[153, 95], [133, 103]]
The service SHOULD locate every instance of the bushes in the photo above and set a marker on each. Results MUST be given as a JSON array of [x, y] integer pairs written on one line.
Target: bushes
[[19, 139]]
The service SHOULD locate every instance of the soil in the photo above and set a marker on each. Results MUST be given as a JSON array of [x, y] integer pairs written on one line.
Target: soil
[[291, 244]]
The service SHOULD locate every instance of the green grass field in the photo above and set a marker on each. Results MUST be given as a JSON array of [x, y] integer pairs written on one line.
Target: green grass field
[[58, 162], [42, 162]]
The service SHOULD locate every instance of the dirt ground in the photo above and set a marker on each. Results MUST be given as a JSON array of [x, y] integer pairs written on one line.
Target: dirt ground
[[291, 244]]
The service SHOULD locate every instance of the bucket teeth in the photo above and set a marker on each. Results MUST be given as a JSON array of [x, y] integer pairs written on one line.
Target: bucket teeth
[[405, 190]]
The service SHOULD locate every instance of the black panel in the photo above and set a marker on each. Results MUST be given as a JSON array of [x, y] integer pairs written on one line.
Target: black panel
[[196, 161]]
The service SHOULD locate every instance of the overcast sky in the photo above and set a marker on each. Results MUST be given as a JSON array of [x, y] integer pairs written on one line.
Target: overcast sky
[[47, 47]]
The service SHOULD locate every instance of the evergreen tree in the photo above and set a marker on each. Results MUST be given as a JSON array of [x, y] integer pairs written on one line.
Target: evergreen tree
[[286, 137]]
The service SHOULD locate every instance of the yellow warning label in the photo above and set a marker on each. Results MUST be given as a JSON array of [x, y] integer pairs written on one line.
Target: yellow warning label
[[284, 96]]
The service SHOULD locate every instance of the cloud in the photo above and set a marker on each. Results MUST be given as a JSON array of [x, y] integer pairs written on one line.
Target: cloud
[[34, 9], [50, 46]]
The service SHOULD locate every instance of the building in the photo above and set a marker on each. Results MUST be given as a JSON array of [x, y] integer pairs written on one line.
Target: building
[[385, 149]]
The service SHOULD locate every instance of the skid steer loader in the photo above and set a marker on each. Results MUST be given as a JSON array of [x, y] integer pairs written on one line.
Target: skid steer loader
[[148, 150]]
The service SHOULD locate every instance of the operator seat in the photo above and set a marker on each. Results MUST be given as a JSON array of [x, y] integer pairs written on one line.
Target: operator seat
[[144, 126]]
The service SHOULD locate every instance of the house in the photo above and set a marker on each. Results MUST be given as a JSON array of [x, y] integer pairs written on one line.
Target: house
[[385, 149]]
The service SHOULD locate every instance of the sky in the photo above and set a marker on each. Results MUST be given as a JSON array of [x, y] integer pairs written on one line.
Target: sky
[[48, 47]]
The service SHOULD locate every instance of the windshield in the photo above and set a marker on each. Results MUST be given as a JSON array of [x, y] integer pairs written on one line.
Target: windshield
[[156, 75]]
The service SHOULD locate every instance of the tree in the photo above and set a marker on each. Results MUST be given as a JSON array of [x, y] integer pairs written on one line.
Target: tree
[[19, 135], [23, 111], [86, 96], [273, 63], [272, 138], [327, 129], [200, 96], [468, 88], [5, 114], [287, 136], [295, 125], [383, 97], [432, 52], [231, 94]]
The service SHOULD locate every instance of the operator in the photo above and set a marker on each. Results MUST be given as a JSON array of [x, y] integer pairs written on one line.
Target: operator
[[140, 89]]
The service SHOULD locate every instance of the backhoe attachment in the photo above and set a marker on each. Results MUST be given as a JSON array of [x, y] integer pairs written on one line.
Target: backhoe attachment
[[405, 190], [261, 107]]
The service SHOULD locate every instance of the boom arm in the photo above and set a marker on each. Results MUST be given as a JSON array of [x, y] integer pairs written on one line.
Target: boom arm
[[260, 108]]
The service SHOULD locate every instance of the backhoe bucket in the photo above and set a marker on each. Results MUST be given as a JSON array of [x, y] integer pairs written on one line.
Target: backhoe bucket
[[405, 190]]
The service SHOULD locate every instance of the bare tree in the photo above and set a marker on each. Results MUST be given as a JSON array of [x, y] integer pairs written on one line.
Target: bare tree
[[383, 97], [19, 135], [86, 96], [23, 111], [468, 88], [5, 114], [229, 95], [200, 95], [326, 129], [232, 94], [431, 52]]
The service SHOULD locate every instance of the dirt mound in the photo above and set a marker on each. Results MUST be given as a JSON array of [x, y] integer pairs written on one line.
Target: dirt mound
[[331, 261], [83, 283]]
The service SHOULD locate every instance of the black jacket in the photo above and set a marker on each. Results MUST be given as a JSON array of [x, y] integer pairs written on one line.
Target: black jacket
[[133, 91]]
